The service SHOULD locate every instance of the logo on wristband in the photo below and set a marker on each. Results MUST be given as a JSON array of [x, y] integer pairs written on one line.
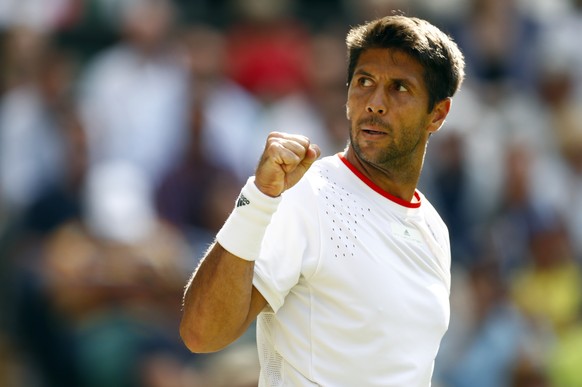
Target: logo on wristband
[[242, 201]]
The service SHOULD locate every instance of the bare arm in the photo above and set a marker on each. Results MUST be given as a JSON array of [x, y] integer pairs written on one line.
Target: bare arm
[[220, 301]]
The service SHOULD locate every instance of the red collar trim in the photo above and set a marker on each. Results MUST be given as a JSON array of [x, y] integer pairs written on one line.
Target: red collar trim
[[376, 188]]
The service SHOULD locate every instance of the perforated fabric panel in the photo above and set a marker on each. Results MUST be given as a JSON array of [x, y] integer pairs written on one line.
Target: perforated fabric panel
[[271, 361]]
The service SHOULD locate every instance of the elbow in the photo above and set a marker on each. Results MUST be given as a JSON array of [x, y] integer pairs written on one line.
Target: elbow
[[193, 340], [196, 340]]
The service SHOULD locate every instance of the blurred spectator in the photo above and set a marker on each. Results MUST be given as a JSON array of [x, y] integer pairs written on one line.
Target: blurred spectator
[[488, 338], [22, 49], [115, 278], [268, 50], [510, 226], [267, 56], [40, 15], [61, 202], [446, 177], [549, 292], [546, 10], [38, 82], [41, 168], [198, 192], [220, 109], [548, 288], [497, 39], [556, 89], [527, 374], [134, 94], [557, 41], [327, 75], [468, 169], [566, 357], [527, 215], [487, 129], [562, 114]]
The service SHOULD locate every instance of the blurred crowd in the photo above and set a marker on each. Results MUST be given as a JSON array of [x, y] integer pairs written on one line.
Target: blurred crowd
[[127, 128]]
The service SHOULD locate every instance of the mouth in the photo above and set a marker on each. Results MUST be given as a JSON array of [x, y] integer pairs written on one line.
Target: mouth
[[373, 132], [373, 127]]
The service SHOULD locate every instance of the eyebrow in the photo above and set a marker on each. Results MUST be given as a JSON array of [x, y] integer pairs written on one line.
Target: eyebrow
[[362, 72], [409, 82]]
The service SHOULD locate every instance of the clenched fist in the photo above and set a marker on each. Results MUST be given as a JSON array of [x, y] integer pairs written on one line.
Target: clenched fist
[[285, 160]]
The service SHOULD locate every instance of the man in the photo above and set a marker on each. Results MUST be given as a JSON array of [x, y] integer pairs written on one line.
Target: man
[[347, 265]]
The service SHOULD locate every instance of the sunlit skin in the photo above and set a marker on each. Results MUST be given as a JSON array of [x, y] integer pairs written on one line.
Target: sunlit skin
[[390, 124]]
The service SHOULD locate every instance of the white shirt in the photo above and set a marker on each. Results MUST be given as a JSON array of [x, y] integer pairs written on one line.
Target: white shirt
[[357, 283]]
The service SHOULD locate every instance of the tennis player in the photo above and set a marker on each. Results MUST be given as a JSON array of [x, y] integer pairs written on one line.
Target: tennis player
[[342, 261]]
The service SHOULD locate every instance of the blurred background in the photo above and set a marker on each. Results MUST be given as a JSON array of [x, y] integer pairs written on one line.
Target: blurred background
[[127, 128]]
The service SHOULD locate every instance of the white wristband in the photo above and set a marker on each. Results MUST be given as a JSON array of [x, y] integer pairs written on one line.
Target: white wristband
[[243, 231]]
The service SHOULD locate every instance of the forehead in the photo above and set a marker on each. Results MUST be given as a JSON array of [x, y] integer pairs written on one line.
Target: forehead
[[392, 63]]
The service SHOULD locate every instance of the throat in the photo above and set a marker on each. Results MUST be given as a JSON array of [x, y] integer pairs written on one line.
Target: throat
[[395, 177]]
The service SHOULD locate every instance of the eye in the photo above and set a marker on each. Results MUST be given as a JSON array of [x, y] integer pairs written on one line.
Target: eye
[[364, 81], [400, 86]]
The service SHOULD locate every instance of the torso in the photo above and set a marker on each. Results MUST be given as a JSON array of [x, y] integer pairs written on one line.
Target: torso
[[367, 300]]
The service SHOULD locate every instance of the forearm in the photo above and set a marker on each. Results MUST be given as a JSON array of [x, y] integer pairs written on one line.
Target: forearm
[[220, 301], [217, 301]]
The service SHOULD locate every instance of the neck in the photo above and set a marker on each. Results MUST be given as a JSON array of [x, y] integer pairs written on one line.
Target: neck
[[399, 179]]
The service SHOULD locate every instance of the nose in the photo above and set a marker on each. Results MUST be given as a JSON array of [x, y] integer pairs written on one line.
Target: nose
[[376, 103]]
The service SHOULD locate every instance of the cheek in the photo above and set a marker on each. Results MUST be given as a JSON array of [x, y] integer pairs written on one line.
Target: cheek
[[349, 104]]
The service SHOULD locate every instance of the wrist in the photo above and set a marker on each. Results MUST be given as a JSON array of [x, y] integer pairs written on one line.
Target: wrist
[[243, 231]]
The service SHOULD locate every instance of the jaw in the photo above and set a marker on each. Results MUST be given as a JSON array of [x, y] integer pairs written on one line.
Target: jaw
[[379, 151], [372, 145]]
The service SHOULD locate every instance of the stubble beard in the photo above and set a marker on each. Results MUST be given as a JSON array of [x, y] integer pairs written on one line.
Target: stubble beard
[[392, 159]]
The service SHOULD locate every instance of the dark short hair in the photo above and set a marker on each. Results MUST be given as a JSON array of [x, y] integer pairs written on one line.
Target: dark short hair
[[439, 55]]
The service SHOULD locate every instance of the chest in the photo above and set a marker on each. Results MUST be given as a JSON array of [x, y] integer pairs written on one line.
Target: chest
[[380, 270]]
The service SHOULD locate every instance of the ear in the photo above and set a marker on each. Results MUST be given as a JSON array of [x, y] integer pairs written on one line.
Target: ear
[[438, 114]]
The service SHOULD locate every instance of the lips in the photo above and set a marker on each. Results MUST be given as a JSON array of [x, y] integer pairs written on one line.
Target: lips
[[372, 132], [373, 126]]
